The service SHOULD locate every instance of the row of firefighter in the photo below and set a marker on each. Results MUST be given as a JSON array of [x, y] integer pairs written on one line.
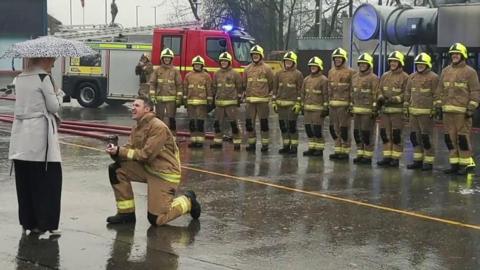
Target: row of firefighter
[[343, 95]]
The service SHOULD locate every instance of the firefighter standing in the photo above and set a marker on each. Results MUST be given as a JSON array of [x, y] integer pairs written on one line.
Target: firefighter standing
[[459, 96], [287, 101], [258, 81], [166, 89], [227, 86], [198, 96], [151, 156], [364, 108], [315, 106], [340, 82], [418, 107], [391, 95], [144, 70]]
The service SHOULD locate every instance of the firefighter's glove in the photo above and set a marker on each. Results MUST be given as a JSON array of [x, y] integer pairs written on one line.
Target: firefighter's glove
[[153, 99], [469, 113], [275, 107], [297, 108], [438, 113], [325, 112]]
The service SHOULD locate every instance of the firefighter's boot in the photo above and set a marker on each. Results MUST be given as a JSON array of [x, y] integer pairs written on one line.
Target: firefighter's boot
[[465, 170], [122, 218], [264, 148], [358, 160], [196, 209], [293, 149], [415, 165], [453, 169], [427, 167], [285, 149], [384, 162], [251, 148], [309, 152], [394, 163]]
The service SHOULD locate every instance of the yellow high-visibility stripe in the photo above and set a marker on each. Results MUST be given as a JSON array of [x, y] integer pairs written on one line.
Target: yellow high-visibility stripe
[[130, 154], [311, 145], [473, 103], [125, 204], [183, 202], [294, 142], [466, 161], [225, 102], [393, 110], [319, 146], [387, 154], [252, 140], [170, 177], [454, 160], [196, 101], [417, 156], [338, 103], [313, 107], [429, 159], [360, 153], [361, 110], [283, 103], [313, 91], [368, 154], [200, 139], [337, 149], [396, 154], [265, 141], [419, 111], [339, 84], [258, 99], [166, 98], [345, 150], [237, 141], [454, 109], [217, 140], [286, 141]]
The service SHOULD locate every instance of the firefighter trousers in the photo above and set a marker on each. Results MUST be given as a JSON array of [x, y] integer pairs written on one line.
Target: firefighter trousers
[[363, 128], [340, 121], [167, 109], [162, 204], [457, 138], [287, 120], [230, 115], [254, 111], [391, 126], [421, 138], [313, 121], [197, 115]]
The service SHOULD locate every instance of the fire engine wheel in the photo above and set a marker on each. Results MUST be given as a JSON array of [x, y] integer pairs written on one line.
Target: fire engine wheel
[[89, 95]]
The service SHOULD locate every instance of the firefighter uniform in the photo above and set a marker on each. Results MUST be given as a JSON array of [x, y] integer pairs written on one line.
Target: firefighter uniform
[[315, 107], [340, 82], [364, 109], [166, 89], [258, 82], [198, 96], [144, 70], [151, 156], [391, 97], [287, 102], [227, 86], [459, 96], [418, 107]]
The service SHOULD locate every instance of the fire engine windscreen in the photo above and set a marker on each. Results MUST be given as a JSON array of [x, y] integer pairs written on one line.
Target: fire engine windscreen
[[241, 49]]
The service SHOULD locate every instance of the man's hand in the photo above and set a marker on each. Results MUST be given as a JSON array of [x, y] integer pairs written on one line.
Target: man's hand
[[112, 149]]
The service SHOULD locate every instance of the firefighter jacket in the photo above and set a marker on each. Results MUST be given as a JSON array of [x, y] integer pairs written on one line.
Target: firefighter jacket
[[315, 92], [339, 86], [198, 88], [166, 83], [152, 144], [287, 87], [144, 71], [392, 88], [364, 92], [258, 81], [458, 89], [227, 87], [420, 92]]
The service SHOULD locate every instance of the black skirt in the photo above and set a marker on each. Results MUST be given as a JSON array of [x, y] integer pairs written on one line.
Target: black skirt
[[39, 190]]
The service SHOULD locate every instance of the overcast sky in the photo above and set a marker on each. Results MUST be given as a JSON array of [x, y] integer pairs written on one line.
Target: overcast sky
[[95, 11]]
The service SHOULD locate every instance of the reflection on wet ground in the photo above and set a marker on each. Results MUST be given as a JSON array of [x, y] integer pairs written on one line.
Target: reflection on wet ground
[[261, 211]]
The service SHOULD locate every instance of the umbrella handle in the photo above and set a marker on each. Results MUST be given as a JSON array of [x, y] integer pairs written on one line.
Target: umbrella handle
[[13, 64]]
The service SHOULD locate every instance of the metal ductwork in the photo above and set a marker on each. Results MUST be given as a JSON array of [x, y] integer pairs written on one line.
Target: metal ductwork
[[401, 25]]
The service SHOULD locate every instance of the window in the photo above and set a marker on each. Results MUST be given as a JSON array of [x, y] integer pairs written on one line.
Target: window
[[174, 43], [216, 46], [241, 49], [87, 61]]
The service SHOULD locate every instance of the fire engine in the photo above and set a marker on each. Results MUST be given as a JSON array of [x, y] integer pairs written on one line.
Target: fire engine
[[109, 76]]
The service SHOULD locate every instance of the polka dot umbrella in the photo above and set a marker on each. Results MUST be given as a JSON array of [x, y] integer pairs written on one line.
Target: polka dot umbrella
[[48, 47]]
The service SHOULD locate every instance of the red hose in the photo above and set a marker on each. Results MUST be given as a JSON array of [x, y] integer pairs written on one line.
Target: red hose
[[85, 128]]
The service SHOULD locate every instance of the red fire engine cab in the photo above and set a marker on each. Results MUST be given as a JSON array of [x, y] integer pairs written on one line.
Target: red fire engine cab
[[188, 43]]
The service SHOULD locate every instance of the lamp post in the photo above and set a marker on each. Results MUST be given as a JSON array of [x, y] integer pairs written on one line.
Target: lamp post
[[106, 22], [71, 12], [155, 15], [136, 14]]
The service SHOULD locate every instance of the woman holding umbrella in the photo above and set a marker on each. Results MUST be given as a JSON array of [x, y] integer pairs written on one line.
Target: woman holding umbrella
[[34, 145]]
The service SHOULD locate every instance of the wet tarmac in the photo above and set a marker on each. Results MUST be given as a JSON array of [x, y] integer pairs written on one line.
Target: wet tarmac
[[263, 211]]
